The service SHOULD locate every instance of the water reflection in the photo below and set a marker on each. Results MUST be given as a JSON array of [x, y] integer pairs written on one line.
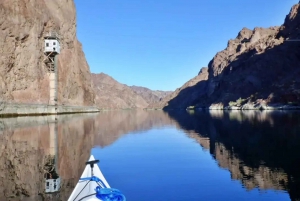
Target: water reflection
[[52, 179], [260, 149], [42, 157], [30, 147]]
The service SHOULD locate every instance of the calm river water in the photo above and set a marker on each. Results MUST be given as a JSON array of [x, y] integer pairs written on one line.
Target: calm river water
[[153, 155]]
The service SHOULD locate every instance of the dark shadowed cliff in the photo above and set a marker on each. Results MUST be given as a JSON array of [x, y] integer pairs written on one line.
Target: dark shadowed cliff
[[181, 97], [259, 67]]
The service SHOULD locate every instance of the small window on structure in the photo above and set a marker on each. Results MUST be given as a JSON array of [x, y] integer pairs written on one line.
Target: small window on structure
[[54, 43], [47, 44], [54, 49]]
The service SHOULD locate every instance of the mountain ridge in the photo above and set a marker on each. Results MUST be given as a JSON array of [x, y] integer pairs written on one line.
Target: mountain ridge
[[257, 69], [110, 94]]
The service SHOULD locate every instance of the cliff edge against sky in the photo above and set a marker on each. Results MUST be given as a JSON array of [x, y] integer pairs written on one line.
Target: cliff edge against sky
[[259, 66]]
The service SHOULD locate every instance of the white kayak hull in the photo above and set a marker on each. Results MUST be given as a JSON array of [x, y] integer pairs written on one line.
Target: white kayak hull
[[80, 191]]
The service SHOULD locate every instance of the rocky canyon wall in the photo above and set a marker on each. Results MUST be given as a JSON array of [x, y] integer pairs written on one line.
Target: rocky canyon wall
[[23, 75], [259, 66]]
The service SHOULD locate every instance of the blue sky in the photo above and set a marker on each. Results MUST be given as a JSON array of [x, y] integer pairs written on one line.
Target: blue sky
[[161, 44]]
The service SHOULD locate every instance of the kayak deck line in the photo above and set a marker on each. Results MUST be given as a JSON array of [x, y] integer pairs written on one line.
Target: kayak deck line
[[92, 185]]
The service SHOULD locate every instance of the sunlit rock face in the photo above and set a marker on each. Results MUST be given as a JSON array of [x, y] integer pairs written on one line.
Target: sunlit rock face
[[151, 96], [110, 94], [23, 75]]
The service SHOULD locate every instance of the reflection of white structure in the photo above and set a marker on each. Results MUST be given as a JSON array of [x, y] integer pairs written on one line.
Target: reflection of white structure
[[52, 180], [52, 138], [52, 185]]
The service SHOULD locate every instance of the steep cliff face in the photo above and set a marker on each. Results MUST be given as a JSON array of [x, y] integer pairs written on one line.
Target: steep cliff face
[[259, 66], [23, 75]]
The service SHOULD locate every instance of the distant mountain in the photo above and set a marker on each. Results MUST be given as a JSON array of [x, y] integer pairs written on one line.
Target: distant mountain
[[151, 96], [260, 68], [110, 94]]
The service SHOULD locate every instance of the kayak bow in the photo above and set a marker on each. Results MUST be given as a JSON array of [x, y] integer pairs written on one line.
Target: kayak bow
[[93, 186]]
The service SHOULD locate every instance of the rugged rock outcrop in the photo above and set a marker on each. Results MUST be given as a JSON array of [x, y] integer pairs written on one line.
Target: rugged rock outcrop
[[23, 75], [151, 96], [259, 66], [110, 94]]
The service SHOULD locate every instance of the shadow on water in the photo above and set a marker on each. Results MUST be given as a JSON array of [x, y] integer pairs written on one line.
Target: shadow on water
[[261, 149]]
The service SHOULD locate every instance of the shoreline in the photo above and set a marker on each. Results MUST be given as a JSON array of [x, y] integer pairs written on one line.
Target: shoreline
[[27, 109], [248, 106]]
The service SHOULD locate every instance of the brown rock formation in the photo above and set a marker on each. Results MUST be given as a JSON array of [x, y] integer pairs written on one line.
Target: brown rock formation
[[23, 75], [151, 96], [258, 65], [110, 94]]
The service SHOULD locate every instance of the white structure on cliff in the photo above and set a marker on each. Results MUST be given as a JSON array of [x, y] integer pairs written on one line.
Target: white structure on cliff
[[51, 51]]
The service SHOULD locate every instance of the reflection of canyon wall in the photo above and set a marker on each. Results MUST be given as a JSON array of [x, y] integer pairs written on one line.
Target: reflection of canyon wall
[[255, 148], [261, 177], [23, 152], [111, 125], [259, 149], [21, 171], [25, 143]]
